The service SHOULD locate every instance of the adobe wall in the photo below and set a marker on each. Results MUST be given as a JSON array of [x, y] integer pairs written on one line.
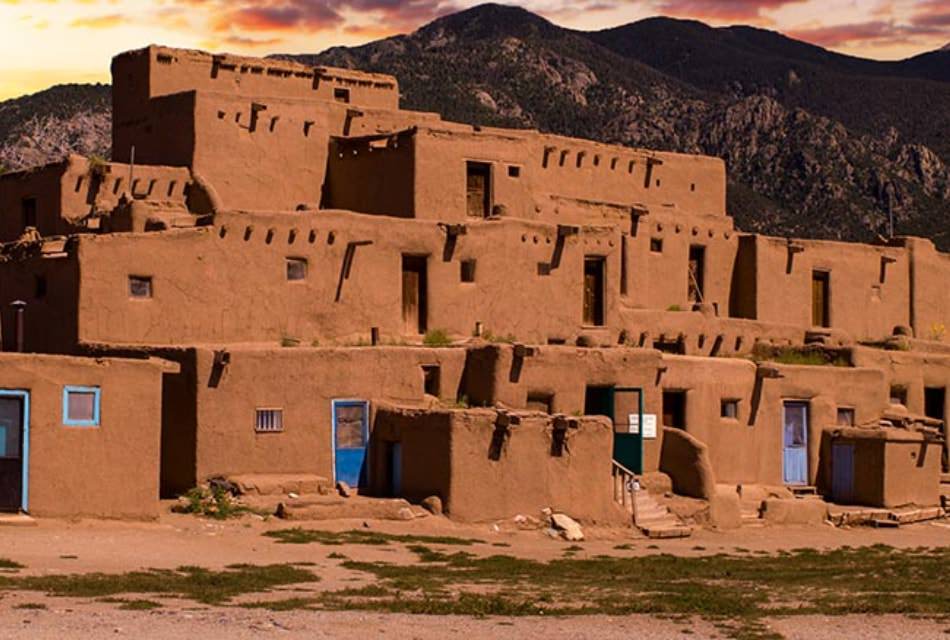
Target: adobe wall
[[49, 284], [869, 285], [516, 475], [535, 176], [930, 303], [212, 285], [154, 71], [106, 471], [302, 381], [891, 467]]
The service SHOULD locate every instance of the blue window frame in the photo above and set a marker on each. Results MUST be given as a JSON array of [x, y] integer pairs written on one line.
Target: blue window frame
[[81, 406]]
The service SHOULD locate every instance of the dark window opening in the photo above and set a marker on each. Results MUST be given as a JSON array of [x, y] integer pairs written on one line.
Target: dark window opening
[[140, 286], [296, 269], [40, 286], [594, 291], [935, 402], [430, 379], [341, 95], [656, 245], [674, 409], [696, 273], [667, 345], [729, 409], [820, 299], [540, 401], [29, 212], [514, 172], [306, 128], [898, 394], [414, 294], [845, 417], [467, 271], [478, 189], [692, 186]]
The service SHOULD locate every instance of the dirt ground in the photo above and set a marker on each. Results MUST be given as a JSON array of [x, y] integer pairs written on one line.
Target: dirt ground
[[54, 547]]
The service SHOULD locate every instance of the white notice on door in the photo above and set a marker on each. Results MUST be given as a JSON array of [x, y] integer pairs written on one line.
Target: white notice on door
[[633, 423], [649, 426]]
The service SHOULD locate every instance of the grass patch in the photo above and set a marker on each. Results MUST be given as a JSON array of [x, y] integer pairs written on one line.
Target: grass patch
[[737, 592], [811, 356], [195, 583], [32, 606], [132, 605], [357, 536], [437, 338], [216, 503], [10, 564]]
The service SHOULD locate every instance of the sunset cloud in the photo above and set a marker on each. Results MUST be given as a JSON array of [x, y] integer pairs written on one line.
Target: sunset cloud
[[98, 22], [738, 10]]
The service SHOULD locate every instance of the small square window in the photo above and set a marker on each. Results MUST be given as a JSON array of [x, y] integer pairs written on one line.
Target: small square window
[[899, 395], [656, 245], [467, 271], [296, 269], [845, 417], [341, 95], [269, 420], [514, 172], [81, 406], [140, 286], [729, 409]]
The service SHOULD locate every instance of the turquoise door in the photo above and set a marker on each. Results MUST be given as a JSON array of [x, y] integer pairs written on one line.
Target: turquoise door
[[795, 437], [607, 401], [350, 437]]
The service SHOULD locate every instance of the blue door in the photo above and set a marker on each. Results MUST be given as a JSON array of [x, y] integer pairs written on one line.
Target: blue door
[[795, 436], [14, 449], [350, 437], [842, 472]]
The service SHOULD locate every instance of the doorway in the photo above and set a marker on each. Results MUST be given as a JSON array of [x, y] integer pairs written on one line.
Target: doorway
[[820, 299], [478, 189], [350, 437], [935, 406], [697, 269], [594, 291], [627, 402], [14, 450], [842, 472], [795, 442], [414, 294], [674, 409]]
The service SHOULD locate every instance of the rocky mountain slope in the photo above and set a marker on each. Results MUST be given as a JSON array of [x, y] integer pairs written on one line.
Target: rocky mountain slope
[[817, 144]]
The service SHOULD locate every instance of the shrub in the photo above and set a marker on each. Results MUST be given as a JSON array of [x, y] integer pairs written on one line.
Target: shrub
[[215, 503], [437, 338]]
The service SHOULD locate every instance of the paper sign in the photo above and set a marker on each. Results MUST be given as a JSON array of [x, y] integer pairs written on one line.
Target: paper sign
[[649, 426], [633, 423]]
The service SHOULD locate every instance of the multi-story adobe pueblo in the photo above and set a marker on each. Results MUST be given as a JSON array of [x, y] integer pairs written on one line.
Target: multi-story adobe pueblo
[[282, 272]]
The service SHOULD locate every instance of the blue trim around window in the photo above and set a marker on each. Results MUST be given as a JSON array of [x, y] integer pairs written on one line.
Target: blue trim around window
[[25, 445], [95, 406]]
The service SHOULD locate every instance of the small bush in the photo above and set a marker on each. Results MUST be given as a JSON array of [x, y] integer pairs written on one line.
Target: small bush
[[214, 503], [674, 307], [437, 338], [97, 165], [288, 341]]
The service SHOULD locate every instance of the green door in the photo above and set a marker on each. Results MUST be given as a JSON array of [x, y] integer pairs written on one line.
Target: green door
[[622, 405]]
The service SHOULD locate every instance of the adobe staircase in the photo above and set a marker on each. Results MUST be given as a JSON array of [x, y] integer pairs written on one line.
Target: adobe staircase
[[652, 518]]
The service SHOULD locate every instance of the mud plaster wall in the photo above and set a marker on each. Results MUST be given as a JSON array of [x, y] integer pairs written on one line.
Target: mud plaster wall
[[862, 303], [106, 471], [212, 289], [50, 317], [525, 478], [930, 303], [303, 382]]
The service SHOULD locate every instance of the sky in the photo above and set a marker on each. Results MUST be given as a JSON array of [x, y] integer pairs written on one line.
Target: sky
[[45, 42]]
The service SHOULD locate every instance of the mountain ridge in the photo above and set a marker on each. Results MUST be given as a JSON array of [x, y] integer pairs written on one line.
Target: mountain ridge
[[796, 165]]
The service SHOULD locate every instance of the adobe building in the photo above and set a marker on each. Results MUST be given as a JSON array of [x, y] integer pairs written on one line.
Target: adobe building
[[282, 272]]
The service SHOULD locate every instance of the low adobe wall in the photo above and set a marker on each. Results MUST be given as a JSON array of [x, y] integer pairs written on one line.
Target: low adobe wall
[[110, 470], [484, 471]]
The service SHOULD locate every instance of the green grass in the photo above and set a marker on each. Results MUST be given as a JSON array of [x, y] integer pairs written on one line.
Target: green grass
[[34, 606], [356, 536], [132, 605], [810, 356], [194, 583], [9, 564], [437, 338]]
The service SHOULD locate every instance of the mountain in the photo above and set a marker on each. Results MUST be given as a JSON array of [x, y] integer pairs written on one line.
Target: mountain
[[817, 144], [804, 161], [45, 126]]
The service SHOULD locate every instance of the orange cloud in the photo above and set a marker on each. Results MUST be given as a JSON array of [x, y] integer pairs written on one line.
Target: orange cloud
[[99, 22], [722, 10]]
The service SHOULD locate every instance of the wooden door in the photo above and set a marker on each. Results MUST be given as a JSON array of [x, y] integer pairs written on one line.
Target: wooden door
[[478, 189], [414, 294], [12, 450], [696, 273], [820, 299], [594, 291], [842, 472]]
